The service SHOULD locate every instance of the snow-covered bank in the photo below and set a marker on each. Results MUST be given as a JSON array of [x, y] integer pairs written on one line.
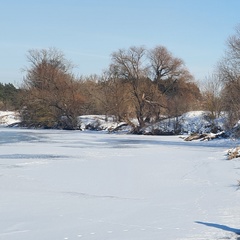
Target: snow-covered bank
[[91, 185], [8, 118], [191, 122]]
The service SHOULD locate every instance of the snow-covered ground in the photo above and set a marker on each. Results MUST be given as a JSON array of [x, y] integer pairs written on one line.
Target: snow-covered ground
[[92, 185], [8, 118]]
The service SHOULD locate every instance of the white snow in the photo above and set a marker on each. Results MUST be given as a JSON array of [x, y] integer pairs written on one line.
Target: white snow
[[9, 117], [92, 185], [190, 122], [100, 122], [198, 121]]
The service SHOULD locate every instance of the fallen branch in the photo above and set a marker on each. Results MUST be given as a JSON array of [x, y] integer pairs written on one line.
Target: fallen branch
[[195, 136]]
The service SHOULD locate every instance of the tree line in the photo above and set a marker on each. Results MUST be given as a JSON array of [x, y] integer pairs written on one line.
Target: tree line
[[8, 97], [221, 93], [140, 86]]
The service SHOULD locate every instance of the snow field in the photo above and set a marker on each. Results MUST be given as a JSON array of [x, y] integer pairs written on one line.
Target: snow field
[[86, 185]]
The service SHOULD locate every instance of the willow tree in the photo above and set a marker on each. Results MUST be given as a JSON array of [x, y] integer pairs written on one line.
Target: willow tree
[[52, 97], [154, 78], [174, 89]]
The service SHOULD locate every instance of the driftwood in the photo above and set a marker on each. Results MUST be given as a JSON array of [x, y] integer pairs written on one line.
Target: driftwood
[[205, 136], [195, 136]]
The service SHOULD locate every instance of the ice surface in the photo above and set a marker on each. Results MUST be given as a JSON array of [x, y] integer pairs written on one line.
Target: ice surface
[[90, 185]]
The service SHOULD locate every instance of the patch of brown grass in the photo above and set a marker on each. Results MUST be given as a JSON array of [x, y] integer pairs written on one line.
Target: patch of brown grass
[[233, 153]]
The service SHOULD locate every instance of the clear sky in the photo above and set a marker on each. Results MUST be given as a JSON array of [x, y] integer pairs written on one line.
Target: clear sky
[[88, 31]]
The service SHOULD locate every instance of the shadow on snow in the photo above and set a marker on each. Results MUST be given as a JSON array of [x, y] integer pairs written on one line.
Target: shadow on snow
[[219, 226]]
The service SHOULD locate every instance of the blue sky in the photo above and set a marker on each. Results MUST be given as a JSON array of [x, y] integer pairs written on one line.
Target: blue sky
[[88, 31]]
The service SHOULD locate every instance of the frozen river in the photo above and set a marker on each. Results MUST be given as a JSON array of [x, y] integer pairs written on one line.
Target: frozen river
[[87, 185]]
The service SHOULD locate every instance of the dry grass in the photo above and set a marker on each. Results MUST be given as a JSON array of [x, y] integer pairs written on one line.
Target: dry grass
[[233, 153]]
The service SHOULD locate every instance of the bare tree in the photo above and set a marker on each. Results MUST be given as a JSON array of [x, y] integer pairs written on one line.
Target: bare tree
[[114, 95], [128, 65], [229, 70], [212, 95], [52, 96], [164, 66], [168, 74], [154, 78]]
